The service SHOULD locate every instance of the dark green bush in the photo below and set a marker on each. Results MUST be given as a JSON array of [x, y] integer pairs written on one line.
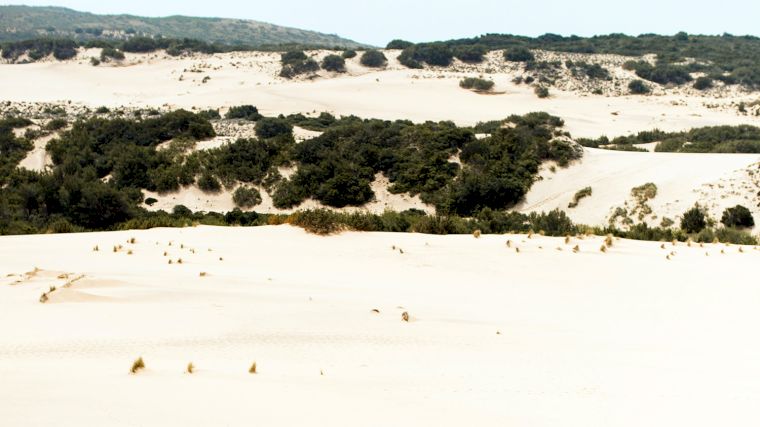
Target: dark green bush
[[348, 54], [638, 87], [480, 85], [737, 217], [541, 91], [246, 197], [209, 184], [519, 54], [334, 63], [693, 220], [111, 53], [374, 59], [268, 127], [399, 44], [703, 83], [246, 112], [471, 54]]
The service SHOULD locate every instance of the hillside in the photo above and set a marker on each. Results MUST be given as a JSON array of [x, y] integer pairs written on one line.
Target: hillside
[[25, 22]]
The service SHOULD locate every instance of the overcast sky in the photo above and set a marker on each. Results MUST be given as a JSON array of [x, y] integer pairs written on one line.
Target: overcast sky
[[380, 21]]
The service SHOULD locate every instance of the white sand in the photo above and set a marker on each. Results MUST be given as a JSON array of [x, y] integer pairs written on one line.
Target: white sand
[[716, 181], [394, 93], [625, 338]]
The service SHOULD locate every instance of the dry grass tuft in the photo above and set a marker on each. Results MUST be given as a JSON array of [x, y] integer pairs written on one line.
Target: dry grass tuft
[[252, 369], [96, 248], [137, 365], [608, 241], [129, 252], [132, 241], [517, 250], [667, 257], [190, 368], [170, 262], [203, 274], [476, 234], [179, 261], [376, 311], [576, 249], [405, 316], [509, 243], [530, 234], [221, 259], [567, 239], [603, 248], [662, 246], [741, 251]]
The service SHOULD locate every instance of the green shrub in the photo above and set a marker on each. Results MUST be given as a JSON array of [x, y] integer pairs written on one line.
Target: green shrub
[[477, 84], [581, 194], [703, 83], [271, 127], [541, 91], [209, 184], [348, 54], [399, 44], [471, 53], [246, 112], [111, 53], [246, 197], [693, 220], [519, 54], [334, 63], [737, 217], [293, 57], [374, 59], [56, 124], [638, 87]]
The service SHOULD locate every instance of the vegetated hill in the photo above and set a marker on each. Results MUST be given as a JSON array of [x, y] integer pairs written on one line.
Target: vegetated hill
[[26, 22], [726, 58]]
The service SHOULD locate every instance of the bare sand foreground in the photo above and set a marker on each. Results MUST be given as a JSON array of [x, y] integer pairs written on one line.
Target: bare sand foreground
[[539, 337]]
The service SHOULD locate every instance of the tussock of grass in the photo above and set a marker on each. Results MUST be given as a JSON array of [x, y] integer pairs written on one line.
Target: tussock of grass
[[96, 248], [203, 274], [190, 368], [576, 249], [608, 241], [252, 369], [476, 234], [509, 243], [137, 365], [405, 316], [603, 248]]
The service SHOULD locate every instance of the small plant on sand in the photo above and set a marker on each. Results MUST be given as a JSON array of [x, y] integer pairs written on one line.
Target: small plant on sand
[[581, 194], [603, 248], [190, 368], [132, 241], [476, 234], [96, 248], [137, 365], [179, 261], [203, 274], [476, 84], [252, 369], [608, 241], [405, 316], [576, 249]]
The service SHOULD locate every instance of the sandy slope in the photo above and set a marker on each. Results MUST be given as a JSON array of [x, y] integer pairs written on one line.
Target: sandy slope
[[394, 93], [626, 338], [716, 181]]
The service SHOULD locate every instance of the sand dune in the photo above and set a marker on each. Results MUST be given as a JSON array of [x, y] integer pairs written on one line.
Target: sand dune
[[393, 93], [716, 181], [624, 338]]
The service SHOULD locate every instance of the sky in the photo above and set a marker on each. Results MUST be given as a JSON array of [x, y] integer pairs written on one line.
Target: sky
[[378, 22]]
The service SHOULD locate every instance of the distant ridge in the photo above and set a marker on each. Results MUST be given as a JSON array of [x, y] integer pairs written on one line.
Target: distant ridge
[[28, 22]]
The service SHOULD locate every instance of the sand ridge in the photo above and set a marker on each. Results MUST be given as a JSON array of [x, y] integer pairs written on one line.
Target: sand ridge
[[486, 323]]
